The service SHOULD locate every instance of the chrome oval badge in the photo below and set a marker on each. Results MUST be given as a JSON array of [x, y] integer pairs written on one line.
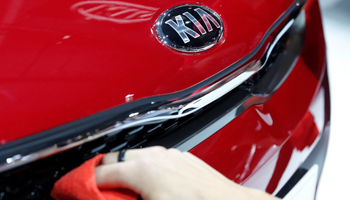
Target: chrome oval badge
[[189, 28]]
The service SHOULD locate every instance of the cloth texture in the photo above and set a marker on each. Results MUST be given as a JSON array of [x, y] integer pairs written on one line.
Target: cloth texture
[[80, 184]]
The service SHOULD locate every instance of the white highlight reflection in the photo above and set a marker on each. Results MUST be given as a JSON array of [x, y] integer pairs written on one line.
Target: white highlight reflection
[[114, 11]]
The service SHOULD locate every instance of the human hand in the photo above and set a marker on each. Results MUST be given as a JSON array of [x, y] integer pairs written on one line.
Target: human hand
[[157, 173]]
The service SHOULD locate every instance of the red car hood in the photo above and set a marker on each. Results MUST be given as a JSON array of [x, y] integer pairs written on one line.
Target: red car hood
[[64, 60]]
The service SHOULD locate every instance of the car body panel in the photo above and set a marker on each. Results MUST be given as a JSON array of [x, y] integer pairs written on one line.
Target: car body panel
[[59, 65]]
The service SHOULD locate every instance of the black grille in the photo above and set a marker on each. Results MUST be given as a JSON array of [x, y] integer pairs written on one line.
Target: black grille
[[35, 180]]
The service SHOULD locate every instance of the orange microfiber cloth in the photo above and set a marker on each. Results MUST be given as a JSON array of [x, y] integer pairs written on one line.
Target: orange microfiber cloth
[[80, 184]]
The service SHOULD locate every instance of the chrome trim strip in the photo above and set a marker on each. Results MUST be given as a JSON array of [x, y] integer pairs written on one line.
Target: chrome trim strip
[[172, 110], [306, 186]]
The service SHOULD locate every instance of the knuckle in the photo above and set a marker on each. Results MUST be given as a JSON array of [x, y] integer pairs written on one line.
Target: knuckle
[[188, 154], [158, 150], [174, 151]]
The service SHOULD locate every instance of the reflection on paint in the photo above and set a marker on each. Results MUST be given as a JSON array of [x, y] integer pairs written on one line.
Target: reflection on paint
[[247, 166], [258, 128], [129, 98], [114, 11], [266, 117]]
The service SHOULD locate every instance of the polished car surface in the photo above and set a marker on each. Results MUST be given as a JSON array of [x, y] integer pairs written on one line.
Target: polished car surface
[[242, 85]]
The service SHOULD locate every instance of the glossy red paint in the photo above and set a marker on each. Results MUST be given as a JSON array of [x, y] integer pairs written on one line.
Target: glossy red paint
[[59, 64], [264, 146]]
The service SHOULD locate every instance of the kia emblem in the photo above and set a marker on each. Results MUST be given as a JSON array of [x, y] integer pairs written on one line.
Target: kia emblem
[[189, 28]]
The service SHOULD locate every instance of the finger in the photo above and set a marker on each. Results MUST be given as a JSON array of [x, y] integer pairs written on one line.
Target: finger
[[110, 158], [133, 154], [117, 175], [203, 165], [196, 160]]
